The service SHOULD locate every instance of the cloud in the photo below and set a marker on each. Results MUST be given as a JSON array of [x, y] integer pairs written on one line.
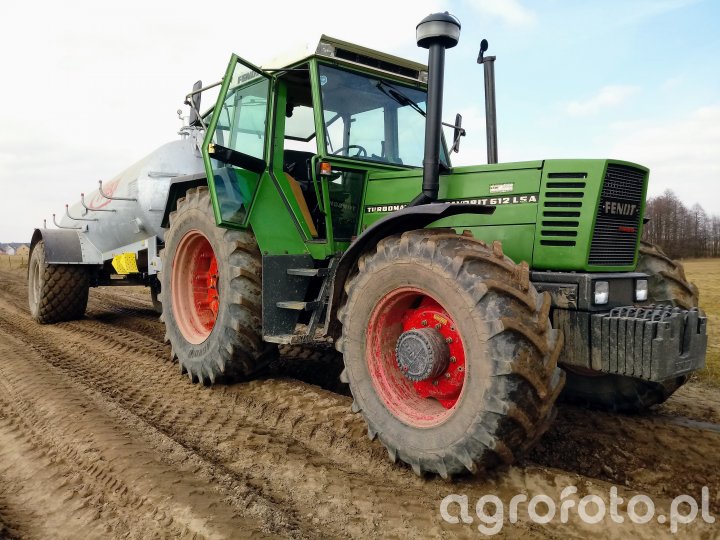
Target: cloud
[[607, 96], [682, 154], [512, 12]]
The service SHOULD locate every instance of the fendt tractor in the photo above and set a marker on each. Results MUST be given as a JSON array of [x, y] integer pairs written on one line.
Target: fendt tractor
[[316, 204]]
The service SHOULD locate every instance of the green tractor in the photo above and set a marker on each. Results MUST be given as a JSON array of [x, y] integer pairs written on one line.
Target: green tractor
[[329, 213]]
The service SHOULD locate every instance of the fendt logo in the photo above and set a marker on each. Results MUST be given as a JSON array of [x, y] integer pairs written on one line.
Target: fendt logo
[[618, 208]]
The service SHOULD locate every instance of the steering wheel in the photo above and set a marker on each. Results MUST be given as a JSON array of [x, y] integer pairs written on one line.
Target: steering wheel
[[361, 152]]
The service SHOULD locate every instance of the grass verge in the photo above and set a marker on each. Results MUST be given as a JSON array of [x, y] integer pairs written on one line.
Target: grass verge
[[705, 273]]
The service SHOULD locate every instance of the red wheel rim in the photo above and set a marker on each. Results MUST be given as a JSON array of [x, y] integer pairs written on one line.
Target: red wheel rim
[[194, 283], [424, 403]]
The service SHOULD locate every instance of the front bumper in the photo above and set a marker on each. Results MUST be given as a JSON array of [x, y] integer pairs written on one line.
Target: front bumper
[[653, 343]]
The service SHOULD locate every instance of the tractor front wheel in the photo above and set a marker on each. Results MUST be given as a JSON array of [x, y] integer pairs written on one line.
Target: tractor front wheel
[[210, 293], [448, 352]]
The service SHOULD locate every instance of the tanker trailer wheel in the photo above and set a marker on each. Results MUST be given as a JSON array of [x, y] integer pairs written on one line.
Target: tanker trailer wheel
[[448, 352], [155, 295], [56, 292], [667, 284], [210, 293]]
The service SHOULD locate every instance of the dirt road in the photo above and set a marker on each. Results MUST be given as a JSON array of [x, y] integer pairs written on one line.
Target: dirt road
[[101, 437]]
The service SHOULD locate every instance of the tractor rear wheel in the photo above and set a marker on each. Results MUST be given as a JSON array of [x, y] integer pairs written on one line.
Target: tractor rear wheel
[[210, 291], [56, 292], [667, 285], [448, 352]]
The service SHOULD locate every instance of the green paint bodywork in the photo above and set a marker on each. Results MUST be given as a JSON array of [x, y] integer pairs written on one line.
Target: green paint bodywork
[[516, 223], [518, 190]]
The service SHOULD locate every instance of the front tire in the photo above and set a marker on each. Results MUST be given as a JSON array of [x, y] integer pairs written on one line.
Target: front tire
[[56, 292], [667, 283], [210, 290], [495, 396]]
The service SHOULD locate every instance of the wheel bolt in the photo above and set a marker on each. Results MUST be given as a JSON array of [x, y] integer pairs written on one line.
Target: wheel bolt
[[453, 359], [424, 323], [438, 326], [447, 375], [435, 382], [448, 340]]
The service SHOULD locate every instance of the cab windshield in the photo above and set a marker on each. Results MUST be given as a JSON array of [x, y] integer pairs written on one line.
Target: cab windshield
[[372, 119]]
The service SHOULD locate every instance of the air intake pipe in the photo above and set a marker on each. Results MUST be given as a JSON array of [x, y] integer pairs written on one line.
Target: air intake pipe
[[435, 32]]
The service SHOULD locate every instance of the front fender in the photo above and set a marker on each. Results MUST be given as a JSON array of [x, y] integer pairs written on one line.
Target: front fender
[[407, 219]]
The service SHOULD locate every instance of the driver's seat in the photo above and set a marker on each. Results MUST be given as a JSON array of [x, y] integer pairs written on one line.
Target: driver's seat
[[302, 203]]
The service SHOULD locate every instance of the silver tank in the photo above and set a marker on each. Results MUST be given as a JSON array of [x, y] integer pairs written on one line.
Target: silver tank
[[147, 182]]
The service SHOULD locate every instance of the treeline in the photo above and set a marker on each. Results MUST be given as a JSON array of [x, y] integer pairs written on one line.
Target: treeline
[[681, 231]]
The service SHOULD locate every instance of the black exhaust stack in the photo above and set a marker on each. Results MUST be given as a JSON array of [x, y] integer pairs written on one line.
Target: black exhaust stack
[[435, 32]]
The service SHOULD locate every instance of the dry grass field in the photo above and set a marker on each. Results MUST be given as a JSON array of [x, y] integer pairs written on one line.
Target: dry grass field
[[705, 273]]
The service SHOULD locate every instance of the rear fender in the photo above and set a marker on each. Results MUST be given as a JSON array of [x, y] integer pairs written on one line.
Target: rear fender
[[64, 246]]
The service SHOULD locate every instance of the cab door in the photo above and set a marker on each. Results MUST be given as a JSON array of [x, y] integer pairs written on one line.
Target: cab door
[[235, 149]]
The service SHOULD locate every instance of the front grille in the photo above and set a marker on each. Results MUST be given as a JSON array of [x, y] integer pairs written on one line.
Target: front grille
[[563, 198], [618, 217]]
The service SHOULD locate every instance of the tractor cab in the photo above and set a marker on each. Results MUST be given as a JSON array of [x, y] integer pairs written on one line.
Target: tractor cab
[[313, 130]]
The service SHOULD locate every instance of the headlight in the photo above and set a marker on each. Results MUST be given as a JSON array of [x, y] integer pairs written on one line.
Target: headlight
[[602, 292], [641, 290]]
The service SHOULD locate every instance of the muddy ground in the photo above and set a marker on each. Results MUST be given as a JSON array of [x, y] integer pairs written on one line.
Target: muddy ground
[[101, 437]]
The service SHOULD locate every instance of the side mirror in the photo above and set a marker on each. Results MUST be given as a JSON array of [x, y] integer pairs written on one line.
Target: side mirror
[[483, 48], [194, 102], [457, 133]]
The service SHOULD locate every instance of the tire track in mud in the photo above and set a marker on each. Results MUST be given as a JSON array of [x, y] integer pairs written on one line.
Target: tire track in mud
[[300, 447], [100, 472], [314, 454], [290, 441], [9, 529]]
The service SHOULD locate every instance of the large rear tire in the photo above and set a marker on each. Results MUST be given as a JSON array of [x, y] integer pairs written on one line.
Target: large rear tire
[[668, 285], [210, 290], [495, 395], [56, 292]]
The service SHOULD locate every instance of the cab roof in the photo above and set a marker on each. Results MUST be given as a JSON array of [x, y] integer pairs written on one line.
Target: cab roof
[[330, 47]]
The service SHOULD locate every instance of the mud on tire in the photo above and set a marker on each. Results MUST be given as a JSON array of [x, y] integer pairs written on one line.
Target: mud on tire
[[233, 347], [56, 292], [667, 283], [511, 376]]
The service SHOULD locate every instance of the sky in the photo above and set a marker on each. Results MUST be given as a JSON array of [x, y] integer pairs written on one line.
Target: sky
[[88, 88]]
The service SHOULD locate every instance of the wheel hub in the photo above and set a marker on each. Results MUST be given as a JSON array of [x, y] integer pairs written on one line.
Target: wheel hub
[[194, 287], [416, 357], [422, 354]]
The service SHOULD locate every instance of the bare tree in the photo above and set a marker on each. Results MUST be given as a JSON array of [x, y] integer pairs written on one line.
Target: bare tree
[[681, 231]]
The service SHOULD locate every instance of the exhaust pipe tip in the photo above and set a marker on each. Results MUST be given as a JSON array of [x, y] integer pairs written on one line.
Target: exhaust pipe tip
[[440, 28]]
